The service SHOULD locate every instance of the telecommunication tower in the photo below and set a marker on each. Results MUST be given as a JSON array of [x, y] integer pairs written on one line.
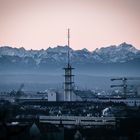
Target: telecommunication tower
[[68, 76]]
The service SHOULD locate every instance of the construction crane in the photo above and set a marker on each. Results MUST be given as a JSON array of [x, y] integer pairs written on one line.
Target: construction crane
[[125, 78], [124, 83], [19, 91]]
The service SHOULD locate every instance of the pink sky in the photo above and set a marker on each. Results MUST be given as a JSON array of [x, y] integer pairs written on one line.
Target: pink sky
[[37, 24]]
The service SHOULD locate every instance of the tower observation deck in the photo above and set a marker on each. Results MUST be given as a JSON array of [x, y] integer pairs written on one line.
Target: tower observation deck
[[68, 77]]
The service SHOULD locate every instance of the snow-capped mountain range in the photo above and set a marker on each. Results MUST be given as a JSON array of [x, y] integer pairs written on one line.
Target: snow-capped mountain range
[[112, 54]]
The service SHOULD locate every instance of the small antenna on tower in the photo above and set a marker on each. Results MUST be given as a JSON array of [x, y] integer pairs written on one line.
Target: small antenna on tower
[[68, 46]]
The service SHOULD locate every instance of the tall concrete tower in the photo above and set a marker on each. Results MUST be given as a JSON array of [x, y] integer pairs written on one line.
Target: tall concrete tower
[[69, 77]]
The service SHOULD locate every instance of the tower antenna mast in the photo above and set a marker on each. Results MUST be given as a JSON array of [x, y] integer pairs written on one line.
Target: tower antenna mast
[[68, 47]]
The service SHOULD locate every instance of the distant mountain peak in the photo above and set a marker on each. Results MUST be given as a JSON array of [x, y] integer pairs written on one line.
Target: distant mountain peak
[[85, 50], [128, 47], [59, 49], [125, 45]]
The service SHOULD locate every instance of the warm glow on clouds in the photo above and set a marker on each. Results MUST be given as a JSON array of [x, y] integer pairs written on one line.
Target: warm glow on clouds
[[39, 24]]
